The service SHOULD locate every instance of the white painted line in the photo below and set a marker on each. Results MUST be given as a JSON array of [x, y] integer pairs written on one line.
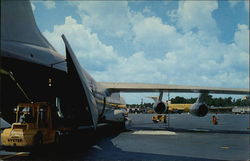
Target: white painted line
[[200, 130], [153, 132]]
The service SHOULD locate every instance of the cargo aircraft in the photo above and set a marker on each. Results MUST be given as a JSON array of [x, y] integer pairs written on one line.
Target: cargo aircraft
[[32, 71]]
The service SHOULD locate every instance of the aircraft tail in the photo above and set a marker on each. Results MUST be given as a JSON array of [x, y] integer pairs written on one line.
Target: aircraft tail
[[18, 24]]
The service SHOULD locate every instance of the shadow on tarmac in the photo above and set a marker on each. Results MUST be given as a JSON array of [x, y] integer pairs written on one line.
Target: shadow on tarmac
[[72, 147], [87, 145]]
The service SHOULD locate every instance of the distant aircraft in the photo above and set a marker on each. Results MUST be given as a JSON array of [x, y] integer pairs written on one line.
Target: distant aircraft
[[45, 75]]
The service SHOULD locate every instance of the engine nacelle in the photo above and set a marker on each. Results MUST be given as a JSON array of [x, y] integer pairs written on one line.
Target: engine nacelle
[[199, 109], [160, 107]]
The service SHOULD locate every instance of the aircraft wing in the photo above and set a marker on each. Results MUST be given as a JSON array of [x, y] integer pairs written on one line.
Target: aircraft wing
[[143, 87]]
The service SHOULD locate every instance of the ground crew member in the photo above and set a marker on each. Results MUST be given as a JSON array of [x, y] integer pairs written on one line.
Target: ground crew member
[[214, 120]]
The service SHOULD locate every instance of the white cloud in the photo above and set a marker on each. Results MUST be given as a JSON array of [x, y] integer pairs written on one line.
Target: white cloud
[[151, 35], [213, 64], [195, 63], [49, 4], [196, 15], [241, 37], [110, 17], [135, 68], [162, 53], [87, 46]]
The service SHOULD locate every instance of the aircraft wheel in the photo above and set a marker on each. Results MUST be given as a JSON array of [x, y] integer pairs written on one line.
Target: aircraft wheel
[[120, 126]]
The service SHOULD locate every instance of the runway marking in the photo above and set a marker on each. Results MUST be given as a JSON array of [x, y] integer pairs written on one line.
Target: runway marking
[[224, 147], [200, 130], [14, 155], [153, 132]]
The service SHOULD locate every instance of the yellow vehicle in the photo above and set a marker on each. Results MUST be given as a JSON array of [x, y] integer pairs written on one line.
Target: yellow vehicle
[[159, 118], [178, 108], [33, 127]]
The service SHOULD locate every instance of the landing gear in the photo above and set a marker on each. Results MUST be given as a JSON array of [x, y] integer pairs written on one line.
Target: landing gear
[[119, 126]]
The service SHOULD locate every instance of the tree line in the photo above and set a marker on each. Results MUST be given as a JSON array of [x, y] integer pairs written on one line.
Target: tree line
[[209, 100], [217, 102]]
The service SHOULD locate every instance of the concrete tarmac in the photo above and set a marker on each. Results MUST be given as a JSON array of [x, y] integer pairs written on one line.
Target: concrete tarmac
[[188, 138]]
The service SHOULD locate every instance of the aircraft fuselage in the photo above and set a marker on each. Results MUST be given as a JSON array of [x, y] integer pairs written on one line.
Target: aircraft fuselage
[[43, 76]]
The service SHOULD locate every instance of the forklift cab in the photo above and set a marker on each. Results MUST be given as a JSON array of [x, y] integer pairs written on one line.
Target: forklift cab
[[25, 115], [38, 114]]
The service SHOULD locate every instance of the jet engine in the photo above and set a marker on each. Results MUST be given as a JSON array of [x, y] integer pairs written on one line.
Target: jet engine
[[199, 109], [160, 107]]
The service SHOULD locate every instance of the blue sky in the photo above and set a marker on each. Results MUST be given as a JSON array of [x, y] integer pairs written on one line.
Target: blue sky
[[204, 43]]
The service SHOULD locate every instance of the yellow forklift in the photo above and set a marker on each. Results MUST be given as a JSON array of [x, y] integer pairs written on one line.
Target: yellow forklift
[[35, 124], [159, 118], [33, 127]]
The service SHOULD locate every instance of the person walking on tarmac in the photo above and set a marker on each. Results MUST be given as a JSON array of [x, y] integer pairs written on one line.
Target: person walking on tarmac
[[214, 120]]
